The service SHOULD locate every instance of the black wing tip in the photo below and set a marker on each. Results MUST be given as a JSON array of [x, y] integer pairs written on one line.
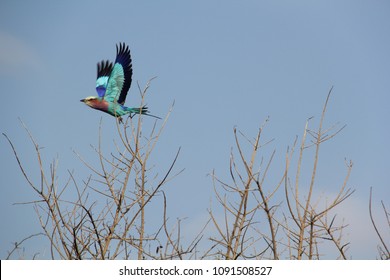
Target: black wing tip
[[104, 68], [123, 57], [122, 47]]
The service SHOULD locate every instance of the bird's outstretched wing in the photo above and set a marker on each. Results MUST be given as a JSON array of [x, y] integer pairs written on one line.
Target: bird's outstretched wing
[[104, 69], [120, 79]]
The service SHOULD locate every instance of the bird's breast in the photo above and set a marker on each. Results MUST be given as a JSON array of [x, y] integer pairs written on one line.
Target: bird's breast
[[99, 105]]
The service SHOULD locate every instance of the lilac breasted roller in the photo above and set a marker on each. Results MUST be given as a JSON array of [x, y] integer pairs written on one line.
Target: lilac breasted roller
[[112, 85]]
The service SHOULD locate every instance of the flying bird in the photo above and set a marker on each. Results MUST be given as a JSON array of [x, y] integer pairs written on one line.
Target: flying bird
[[112, 84]]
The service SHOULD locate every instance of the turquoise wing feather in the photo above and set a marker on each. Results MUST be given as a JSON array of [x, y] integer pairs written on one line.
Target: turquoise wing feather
[[104, 69], [115, 83], [120, 79]]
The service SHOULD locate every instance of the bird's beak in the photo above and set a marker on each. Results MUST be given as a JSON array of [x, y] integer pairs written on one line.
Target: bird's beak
[[82, 100]]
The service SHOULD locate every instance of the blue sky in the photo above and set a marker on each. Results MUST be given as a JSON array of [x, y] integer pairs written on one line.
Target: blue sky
[[224, 64]]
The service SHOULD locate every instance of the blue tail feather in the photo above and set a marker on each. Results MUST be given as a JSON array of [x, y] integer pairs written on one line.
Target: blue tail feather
[[143, 111]]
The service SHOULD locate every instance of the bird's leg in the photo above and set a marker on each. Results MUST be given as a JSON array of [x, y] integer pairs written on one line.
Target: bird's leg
[[120, 119]]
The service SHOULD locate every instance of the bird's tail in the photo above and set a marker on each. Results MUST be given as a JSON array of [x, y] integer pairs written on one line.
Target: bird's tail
[[143, 111]]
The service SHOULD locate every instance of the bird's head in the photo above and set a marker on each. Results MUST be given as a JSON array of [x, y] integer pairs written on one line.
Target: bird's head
[[90, 100]]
